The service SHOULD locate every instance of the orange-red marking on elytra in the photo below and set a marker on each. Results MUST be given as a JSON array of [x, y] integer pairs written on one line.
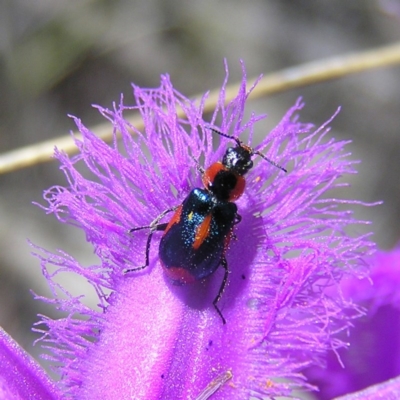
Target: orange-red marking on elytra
[[202, 232], [181, 275], [175, 219]]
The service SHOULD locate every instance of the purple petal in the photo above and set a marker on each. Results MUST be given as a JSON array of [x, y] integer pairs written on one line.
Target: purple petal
[[374, 352], [382, 287], [21, 377], [389, 390], [151, 339]]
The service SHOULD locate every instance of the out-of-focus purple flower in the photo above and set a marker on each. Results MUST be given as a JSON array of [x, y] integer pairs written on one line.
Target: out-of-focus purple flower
[[374, 352], [283, 303], [389, 390]]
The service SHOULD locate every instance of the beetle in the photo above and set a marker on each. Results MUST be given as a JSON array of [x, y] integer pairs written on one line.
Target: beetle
[[197, 236]]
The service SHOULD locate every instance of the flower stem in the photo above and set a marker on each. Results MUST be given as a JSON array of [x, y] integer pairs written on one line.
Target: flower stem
[[302, 75]]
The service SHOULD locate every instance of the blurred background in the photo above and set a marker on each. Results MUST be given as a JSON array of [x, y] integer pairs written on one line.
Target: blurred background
[[59, 57]]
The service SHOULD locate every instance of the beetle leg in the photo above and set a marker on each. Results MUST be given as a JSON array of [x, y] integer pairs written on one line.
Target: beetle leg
[[154, 226], [224, 265], [198, 166], [146, 264]]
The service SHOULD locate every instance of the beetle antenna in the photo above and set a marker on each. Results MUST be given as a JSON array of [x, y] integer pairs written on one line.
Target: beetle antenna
[[270, 161], [240, 143]]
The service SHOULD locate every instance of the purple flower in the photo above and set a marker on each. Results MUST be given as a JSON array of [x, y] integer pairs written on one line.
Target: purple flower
[[283, 304], [389, 390], [374, 353]]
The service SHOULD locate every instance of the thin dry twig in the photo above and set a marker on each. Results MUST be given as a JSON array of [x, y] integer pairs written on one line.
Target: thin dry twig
[[285, 79]]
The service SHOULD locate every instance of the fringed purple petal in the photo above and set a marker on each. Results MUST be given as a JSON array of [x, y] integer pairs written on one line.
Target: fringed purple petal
[[283, 304]]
